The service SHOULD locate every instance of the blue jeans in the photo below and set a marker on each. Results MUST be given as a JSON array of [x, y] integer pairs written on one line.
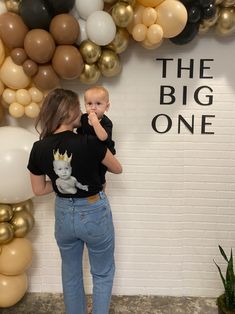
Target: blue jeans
[[79, 222]]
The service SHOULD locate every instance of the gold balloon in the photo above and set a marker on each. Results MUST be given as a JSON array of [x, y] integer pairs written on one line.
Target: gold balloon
[[122, 14], [90, 51], [228, 3], [120, 42], [12, 289], [22, 222], [16, 257], [90, 74], [110, 1], [131, 2], [6, 212], [217, 2], [203, 28], [109, 63], [150, 3], [226, 22], [26, 205], [6, 232], [12, 5]]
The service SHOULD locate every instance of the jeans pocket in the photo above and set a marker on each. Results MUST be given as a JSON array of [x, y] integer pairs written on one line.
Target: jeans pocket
[[98, 221]]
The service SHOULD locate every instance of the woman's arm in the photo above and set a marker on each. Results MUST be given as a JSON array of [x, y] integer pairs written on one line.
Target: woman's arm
[[112, 163], [40, 185]]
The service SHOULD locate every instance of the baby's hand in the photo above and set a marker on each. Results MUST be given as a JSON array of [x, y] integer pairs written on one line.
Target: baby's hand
[[92, 118]]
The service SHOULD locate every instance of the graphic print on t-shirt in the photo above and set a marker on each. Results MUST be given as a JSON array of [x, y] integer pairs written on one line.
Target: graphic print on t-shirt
[[66, 183]]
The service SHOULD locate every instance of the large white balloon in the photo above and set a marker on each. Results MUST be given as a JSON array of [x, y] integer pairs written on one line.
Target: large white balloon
[[100, 28], [86, 8], [15, 146], [83, 34]]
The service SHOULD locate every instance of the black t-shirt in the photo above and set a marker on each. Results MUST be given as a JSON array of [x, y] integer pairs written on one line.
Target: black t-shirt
[[71, 161], [105, 122]]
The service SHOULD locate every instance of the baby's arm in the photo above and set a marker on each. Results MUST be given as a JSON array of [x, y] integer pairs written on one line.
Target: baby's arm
[[99, 130]]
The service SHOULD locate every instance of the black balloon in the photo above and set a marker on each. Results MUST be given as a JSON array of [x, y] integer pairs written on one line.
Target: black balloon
[[206, 3], [60, 6], [35, 14], [187, 35], [209, 12], [194, 14]]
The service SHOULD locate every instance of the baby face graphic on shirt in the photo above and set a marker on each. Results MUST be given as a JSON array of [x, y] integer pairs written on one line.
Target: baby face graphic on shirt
[[66, 183]]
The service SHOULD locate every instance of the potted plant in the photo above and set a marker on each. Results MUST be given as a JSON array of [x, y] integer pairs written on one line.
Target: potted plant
[[226, 301]]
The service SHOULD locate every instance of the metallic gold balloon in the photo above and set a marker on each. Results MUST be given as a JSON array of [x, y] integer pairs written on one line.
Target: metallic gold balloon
[[226, 22], [6, 212], [12, 5], [120, 42], [228, 3], [22, 222], [26, 205], [109, 63], [131, 2], [203, 28], [6, 232], [217, 2], [90, 51], [122, 14], [110, 1], [90, 74]]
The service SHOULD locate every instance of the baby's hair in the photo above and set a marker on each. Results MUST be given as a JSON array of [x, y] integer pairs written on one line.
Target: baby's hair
[[56, 109], [98, 89]]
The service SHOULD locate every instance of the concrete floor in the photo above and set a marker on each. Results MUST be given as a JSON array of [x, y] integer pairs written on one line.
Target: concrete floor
[[43, 303]]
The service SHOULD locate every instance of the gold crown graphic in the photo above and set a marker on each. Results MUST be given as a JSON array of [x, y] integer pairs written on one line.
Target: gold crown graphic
[[64, 157]]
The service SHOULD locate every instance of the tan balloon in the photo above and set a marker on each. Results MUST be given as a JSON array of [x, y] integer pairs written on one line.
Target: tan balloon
[[139, 32], [172, 16], [9, 95], [90, 51], [120, 42], [22, 222], [6, 212], [137, 17], [39, 45], [16, 257], [147, 45], [67, 62], [65, 29], [46, 78], [90, 74], [30, 67], [2, 52], [18, 56], [2, 113], [226, 22], [12, 289], [23, 97], [16, 110], [122, 14], [12, 5], [150, 3], [109, 63], [154, 34], [12, 30], [32, 110], [149, 16], [12, 75], [6, 232], [37, 96]]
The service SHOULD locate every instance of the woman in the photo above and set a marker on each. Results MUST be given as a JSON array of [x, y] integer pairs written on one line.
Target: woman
[[82, 212]]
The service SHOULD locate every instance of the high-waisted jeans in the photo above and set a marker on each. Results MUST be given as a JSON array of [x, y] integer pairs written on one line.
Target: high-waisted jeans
[[79, 222]]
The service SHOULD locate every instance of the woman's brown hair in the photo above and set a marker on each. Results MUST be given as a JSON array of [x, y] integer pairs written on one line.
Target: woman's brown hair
[[56, 109]]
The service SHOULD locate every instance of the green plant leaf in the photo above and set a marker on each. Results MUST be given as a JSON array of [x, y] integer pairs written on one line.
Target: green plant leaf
[[221, 275], [223, 253]]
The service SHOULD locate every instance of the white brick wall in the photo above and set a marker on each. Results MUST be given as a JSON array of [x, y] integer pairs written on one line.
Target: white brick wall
[[174, 202]]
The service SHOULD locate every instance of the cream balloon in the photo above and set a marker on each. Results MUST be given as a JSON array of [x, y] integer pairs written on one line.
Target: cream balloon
[[2, 88], [15, 145], [172, 16], [100, 28], [137, 17], [23, 97], [36, 94], [32, 110], [2, 52], [12, 75], [147, 45], [86, 8], [149, 16], [9, 95], [16, 257], [139, 32], [154, 34], [12, 289], [16, 110]]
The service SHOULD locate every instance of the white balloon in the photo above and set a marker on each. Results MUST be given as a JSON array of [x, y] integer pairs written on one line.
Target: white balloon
[[15, 146], [100, 28], [83, 33], [86, 8], [3, 7]]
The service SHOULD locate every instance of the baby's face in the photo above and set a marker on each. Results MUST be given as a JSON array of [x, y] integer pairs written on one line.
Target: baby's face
[[96, 101], [62, 169]]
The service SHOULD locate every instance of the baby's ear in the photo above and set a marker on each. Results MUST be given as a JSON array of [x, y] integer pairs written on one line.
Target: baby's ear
[[108, 105]]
